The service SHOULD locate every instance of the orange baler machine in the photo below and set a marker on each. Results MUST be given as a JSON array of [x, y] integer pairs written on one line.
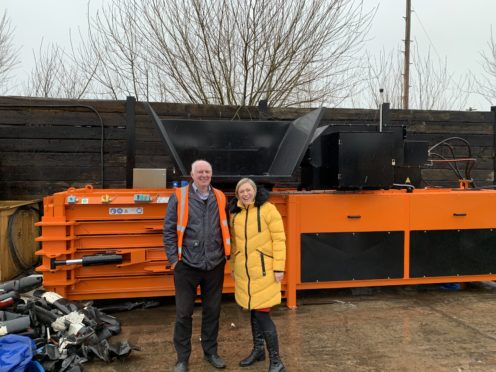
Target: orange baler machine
[[346, 238], [334, 240], [87, 222]]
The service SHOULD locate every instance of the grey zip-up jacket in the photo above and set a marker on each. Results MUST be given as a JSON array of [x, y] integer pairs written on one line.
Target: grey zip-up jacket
[[202, 242]]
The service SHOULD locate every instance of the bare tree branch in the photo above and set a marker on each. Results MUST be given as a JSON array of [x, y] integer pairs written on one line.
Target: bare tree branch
[[56, 73], [239, 52], [290, 52], [432, 87], [486, 85], [9, 55]]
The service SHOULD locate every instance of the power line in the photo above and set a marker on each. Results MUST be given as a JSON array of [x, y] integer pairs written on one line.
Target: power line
[[426, 34]]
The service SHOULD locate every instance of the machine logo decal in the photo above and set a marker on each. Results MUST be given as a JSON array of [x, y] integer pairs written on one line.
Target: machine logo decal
[[138, 210]]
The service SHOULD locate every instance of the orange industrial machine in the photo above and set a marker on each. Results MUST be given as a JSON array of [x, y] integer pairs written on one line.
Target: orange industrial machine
[[334, 239], [347, 227]]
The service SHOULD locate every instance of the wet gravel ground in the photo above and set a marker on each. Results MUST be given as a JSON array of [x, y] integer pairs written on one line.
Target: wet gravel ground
[[410, 328]]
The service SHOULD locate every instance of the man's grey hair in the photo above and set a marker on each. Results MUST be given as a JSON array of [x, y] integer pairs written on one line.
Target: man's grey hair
[[196, 162]]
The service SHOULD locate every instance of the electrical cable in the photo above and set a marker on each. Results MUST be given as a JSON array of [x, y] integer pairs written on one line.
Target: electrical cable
[[450, 139], [457, 173], [91, 108], [453, 156], [455, 160], [467, 160], [469, 164], [469, 168], [425, 32]]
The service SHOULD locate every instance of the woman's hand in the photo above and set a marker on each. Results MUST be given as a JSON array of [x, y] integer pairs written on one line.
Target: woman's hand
[[279, 275]]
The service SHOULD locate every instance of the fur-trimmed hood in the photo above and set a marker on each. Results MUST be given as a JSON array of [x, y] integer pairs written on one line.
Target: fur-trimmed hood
[[261, 197]]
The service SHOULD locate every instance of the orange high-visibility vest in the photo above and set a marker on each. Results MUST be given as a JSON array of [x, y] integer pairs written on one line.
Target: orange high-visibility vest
[[182, 218]]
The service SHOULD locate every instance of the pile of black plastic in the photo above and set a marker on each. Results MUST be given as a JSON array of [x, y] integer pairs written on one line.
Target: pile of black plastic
[[65, 333]]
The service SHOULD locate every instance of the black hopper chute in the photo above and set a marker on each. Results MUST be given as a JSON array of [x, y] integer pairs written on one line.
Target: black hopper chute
[[266, 151]]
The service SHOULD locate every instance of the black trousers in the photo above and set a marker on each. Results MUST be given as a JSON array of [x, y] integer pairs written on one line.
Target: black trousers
[[186, 281], [264, 320]]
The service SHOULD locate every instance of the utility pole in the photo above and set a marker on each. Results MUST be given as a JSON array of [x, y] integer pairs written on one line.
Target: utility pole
[[406, 69]]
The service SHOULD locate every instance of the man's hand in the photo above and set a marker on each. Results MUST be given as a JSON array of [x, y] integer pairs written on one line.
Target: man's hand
[[174, 265], [279, 275]]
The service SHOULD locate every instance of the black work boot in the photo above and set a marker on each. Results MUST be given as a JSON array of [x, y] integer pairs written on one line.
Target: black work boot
[[273, 347], [258, 352]]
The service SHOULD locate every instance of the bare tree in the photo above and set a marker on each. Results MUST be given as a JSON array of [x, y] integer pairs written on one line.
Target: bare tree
[[290, 52], [118, 45], [8, 52], [432, 87], [43, 78], [486, 86], [56, 73], [435, 88], [104, 63], [383, 71]]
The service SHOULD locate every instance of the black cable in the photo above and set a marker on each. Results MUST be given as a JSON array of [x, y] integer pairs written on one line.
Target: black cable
[[457, 173], [452, 151], [13, 249], [449, 139], [91, 108], [468, 167]]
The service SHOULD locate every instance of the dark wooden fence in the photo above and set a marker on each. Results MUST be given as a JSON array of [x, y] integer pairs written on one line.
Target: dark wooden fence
[[48, 145]]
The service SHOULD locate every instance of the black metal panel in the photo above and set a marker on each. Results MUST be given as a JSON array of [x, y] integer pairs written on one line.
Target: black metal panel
[[346, 157], [351, 256], [352, 160], [452, 252], [365, 160], [295, 142], [416, 153], [408, 175]]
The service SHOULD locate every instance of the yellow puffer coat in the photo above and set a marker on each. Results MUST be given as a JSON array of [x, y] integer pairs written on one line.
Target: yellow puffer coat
[[256, 255]]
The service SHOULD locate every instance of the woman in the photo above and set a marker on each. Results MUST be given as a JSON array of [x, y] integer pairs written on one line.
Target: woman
[[258, 255]]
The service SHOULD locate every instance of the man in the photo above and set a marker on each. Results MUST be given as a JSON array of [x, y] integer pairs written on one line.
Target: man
[[197, 242]]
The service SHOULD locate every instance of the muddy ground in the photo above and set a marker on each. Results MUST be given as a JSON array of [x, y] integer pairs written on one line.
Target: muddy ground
[[410, 328]]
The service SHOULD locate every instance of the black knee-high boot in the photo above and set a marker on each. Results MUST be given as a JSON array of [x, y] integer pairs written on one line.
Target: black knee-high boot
[[273, 347], [258, 352]]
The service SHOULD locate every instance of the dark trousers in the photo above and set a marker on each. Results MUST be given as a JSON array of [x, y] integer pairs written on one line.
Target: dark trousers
[[264, 320], [186, 281]]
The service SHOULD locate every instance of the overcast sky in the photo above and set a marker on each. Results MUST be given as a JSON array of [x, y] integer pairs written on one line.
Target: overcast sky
[[457, 30]]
